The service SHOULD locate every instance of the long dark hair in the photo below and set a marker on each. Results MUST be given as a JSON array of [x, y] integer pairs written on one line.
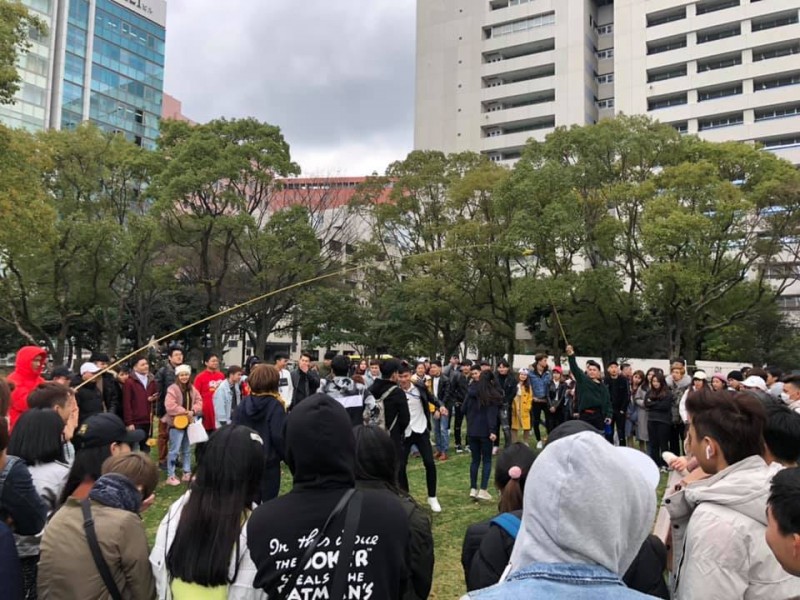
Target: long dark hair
[[376, 458], [37, 437], [663, 390], [87, 466], [489, 394], [227, 484]]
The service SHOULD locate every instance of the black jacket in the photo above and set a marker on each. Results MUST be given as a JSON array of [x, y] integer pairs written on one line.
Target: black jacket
[[90, 400], [320, 451], [395, 407], [481, 420], [508, 385], [112, 394], [646, 573], [419, 554], [485, 553], [165, 377], [444, 395], [305, 384], [659, 408], [620, 392], [458, 388], [267, 416]]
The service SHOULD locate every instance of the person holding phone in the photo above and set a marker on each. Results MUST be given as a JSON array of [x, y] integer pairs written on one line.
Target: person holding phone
[[138, 397]]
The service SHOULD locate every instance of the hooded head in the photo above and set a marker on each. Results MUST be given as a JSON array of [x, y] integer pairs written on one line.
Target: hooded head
[[320, 445], [569, 480], [23, 367]]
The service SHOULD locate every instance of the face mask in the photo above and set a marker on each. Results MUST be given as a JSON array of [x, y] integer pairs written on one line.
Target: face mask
[[785, 398]]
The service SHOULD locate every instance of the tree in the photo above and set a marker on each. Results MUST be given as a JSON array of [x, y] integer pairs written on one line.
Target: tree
[[216, 176], [16, 23]]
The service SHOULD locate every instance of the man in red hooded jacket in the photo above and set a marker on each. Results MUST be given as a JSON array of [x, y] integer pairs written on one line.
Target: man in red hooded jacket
[[27, 375]]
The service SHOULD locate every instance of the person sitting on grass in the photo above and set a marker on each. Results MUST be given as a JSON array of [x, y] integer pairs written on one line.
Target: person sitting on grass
[[487, 545]]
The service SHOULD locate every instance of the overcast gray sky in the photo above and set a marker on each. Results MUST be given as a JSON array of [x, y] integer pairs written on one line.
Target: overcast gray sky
[[336, 75]]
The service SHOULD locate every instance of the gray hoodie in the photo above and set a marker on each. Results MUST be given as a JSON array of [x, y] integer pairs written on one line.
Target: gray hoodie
[[580, 507], [718, 526]]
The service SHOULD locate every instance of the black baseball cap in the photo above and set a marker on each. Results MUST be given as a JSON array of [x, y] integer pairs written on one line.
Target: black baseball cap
[[105, 428], [62, 371]]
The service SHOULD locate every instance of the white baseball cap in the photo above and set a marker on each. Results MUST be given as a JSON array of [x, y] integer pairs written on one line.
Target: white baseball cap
[[754, 381], [701, 375], [89, 367]]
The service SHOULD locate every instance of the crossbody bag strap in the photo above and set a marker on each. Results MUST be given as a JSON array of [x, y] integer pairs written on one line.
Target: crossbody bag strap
[[97, 555], [301, 564], [351, 520]]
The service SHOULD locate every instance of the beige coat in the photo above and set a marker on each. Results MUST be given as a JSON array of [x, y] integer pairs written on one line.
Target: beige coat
[[718, 527], [173, 403], [66, 568]]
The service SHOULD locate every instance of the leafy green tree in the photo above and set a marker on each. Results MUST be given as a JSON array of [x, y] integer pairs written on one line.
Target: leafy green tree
[[16, 23]]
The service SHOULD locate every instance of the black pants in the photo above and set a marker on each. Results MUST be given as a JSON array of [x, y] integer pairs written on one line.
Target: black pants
[[659, 434], [481, 450], [270, 482], [553, 420], [30, 570], [143, 444], [676, 435], [423, 443], [538, 417], [504, 425], [594, 419], [618, 421], [458, 421]]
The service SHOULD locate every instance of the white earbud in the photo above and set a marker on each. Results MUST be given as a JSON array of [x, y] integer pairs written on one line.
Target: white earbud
[[708, 452]]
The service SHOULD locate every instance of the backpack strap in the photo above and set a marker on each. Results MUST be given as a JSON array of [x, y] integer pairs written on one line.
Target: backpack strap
[[10, 462], [382, 398], [508, 522], [97, 555]]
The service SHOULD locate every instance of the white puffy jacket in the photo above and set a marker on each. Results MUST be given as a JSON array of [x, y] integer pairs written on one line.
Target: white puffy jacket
[[718, 526]]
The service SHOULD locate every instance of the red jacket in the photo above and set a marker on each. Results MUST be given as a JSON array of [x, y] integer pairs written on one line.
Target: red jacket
[[136, 406], [25, 380], [207, 383]]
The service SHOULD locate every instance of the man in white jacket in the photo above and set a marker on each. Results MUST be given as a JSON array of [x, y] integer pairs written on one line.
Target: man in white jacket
[[285, 387], [719, 523]]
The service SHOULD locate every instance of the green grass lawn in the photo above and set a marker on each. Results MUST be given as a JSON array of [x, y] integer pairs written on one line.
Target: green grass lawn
[[458, 512]]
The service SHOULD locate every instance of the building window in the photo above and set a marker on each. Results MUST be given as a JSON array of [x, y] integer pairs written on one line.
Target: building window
[[522, 25], [713, 35], [607, 29], [607, 53], [774, 21], [784, 142], [720, 92], [719, 62], [667, 16], [606, 103], [767, 52], [775, 82], [659, 46], [721, 121], [607, 78], [681, 127], [666, 101], [666, 73], [777, 112], [715, 5], [790, 303]]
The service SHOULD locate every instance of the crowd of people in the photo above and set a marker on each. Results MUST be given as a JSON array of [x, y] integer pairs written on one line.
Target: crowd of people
[[80, 456]]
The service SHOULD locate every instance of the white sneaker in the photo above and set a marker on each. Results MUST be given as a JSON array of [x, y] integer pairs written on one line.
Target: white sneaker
[[473, 493], [495, 450], [434, 504], [484, 495], [539, 445]]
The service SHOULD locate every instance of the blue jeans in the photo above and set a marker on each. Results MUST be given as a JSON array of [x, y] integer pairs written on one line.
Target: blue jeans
[[178, 444], [481, 449], [441, 429]]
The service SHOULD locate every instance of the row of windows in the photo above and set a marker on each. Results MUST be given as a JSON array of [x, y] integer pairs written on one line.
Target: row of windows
[[719, 33], [720, 121], [702, 8], [545, 123], [779, 112], [605, 103], [607, 78], [720, 92], [111, 7], [607, 53], [121, 32], [522, 25], [607, 29]]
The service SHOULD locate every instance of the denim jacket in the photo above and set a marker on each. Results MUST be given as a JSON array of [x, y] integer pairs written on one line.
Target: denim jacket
[[540, 383], [553, 581]]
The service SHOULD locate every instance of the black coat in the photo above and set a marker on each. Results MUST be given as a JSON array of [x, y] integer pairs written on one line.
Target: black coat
[[646, 573], [395, 408], [620, 391], [508, 385], [485, 554], [305, 385]]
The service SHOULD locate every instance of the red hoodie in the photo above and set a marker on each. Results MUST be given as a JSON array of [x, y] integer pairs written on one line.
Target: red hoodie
[[25, 379], [207, 383]]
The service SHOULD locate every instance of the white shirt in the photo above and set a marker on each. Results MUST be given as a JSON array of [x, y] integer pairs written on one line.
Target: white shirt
[[285, 388], [436, 387], [417, 422]]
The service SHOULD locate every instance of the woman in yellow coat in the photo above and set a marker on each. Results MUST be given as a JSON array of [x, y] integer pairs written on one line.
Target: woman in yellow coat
[[521, 413]]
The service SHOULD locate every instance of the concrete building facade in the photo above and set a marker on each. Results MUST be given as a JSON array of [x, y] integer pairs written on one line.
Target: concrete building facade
[[100, 61], [493, 73]]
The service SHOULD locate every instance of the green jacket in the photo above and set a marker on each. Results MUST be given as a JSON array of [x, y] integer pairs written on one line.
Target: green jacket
[[592, 395]]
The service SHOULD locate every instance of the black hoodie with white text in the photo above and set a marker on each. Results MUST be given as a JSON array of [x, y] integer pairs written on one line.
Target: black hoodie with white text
[[320, 451]]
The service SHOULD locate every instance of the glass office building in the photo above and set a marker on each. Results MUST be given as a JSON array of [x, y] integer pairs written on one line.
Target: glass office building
[[107, 66]]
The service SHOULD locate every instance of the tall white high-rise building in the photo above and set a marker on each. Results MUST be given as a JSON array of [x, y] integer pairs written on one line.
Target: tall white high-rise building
[[493, 73]]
